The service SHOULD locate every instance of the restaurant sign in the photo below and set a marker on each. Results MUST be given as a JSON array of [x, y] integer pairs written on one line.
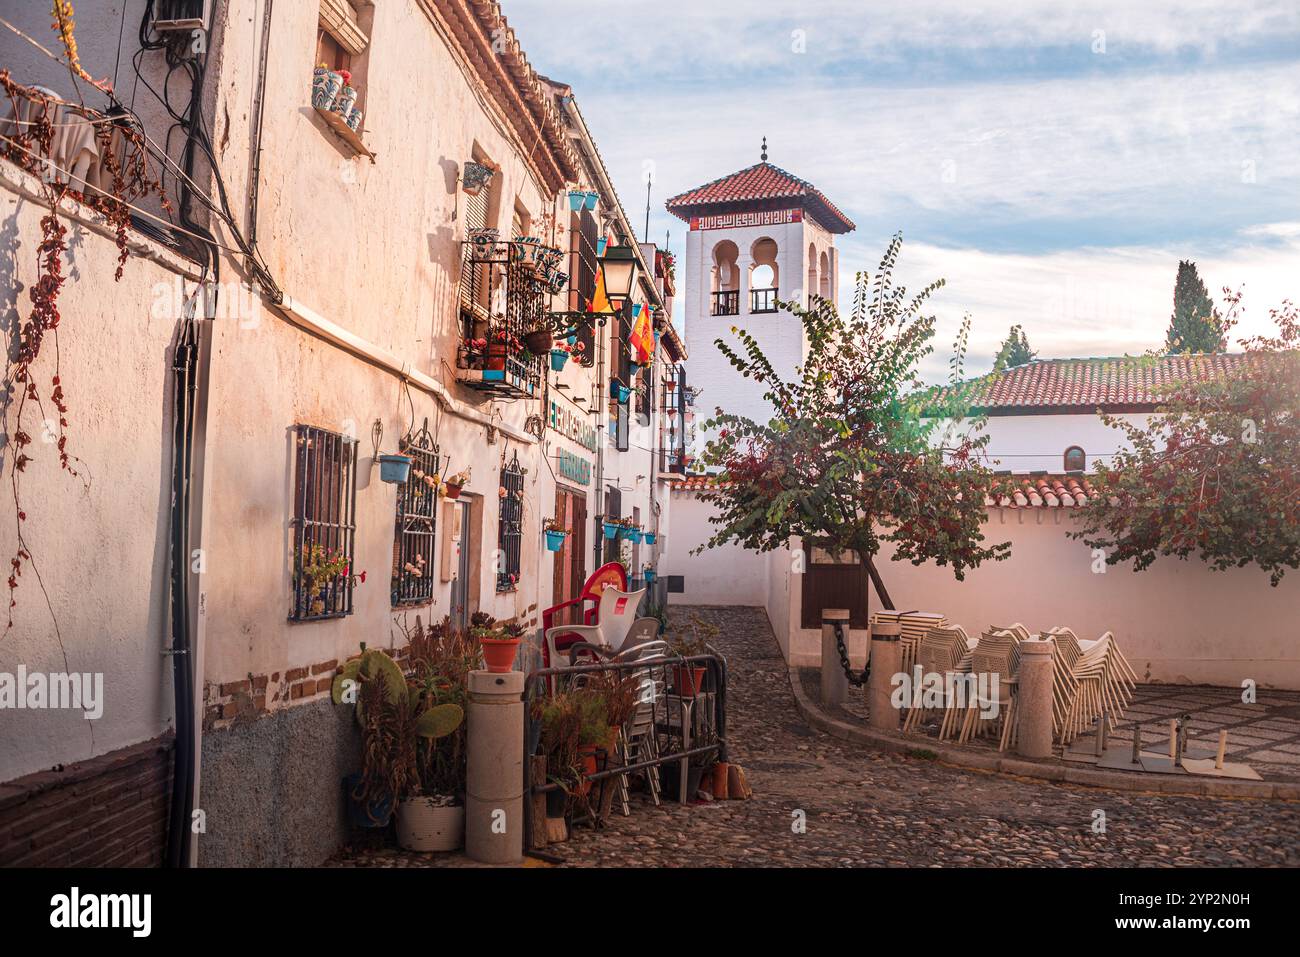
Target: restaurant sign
[[573, 467]]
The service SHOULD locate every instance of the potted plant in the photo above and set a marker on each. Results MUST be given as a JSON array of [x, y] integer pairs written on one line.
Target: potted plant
[[476, 176], [559, 356], [592, 198], [347, 97], [320, 570], [325, 86], [648, 573], [539, 338], [500, 643], [577, 199], [394, 469], [451, 488], [688, 677], [649, 537], [612, 526], [555, 534]]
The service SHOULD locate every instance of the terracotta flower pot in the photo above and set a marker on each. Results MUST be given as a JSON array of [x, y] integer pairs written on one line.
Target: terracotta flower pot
[[539, 341], [499, 654], [688, 680], [453, 489]]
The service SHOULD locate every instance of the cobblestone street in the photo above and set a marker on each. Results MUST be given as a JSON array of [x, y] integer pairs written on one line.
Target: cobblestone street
[[864, 808]]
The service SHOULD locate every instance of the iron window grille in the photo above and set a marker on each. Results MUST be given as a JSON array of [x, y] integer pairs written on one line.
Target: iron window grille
[[672, 455], [502, 297], [324, 523], [510, 525], [417, 518]]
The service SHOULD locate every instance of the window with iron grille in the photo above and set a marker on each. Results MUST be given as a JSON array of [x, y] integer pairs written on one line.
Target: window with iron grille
[[324, 523], [510, 525], [413, 542]]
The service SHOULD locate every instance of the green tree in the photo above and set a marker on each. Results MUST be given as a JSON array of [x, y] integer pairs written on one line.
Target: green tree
[[1213, 474], [1195, 325], [1015, 350], [848, 460]]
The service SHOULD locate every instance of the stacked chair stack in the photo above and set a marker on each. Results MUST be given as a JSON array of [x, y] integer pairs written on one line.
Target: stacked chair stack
[[943, 649], [913, 627]]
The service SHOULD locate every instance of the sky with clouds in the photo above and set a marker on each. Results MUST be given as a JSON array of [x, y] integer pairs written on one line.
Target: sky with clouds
[[1051, 161]]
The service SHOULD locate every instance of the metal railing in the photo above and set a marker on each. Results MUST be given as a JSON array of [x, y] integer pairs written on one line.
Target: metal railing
[[673, 717], [726, 303], [762, 300]]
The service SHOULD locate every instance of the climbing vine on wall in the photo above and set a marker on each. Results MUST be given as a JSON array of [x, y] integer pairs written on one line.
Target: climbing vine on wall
[[127, 178]]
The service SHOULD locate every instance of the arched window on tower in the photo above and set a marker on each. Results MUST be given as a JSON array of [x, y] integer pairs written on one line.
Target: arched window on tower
[[1075, 459], [763, 276], [824, 284], [725, 280], [811, 288]]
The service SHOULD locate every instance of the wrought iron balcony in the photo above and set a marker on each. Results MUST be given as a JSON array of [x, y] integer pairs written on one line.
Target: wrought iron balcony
[[504, 292], [762, 300], [726, 303]]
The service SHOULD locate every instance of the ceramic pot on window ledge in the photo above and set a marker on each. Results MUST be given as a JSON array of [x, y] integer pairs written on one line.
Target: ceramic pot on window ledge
[[476, 176], [325, 86], [344, 102]]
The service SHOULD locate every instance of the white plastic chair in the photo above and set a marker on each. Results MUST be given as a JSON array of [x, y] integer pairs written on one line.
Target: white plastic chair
[[614, 619]]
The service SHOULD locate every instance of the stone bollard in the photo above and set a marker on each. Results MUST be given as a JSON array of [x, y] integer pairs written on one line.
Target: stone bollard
[[494, 785], [1034, 700], [886, 660], [835, 684]]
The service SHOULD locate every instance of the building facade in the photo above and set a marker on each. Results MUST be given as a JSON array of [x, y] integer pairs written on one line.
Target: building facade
[[336, 291]]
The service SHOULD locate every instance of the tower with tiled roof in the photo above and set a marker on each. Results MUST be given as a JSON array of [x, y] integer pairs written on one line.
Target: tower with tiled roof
[[755, 235]]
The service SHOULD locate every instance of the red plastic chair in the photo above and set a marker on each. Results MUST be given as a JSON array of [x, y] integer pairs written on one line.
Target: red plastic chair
[[604, 576]]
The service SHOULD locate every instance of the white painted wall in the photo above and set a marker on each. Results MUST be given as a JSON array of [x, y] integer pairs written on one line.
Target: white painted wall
[[719, 576], [100, 541], [1177, 621], [1025, 443]]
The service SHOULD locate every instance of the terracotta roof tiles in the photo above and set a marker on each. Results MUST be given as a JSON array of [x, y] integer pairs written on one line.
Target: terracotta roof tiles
[[760, 186]]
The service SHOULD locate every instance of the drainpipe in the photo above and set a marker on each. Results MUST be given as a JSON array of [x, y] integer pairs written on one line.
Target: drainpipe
[[598, 534]]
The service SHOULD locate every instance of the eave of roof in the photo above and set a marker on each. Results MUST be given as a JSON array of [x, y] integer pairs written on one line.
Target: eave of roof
[[759, 187]]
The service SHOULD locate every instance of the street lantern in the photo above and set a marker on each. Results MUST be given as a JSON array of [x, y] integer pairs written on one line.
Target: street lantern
[[618, 266]]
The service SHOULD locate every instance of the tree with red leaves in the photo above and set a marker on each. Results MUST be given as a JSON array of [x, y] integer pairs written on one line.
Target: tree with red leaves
[[849, 460], [1213, 472]]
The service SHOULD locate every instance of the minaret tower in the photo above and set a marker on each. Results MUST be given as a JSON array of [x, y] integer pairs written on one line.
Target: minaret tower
[[754, 235]]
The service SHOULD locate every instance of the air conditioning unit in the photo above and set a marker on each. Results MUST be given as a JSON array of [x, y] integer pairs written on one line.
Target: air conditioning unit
[[185, 15]]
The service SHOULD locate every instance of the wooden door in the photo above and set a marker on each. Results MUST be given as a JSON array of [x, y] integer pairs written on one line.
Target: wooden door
[[833, 581]]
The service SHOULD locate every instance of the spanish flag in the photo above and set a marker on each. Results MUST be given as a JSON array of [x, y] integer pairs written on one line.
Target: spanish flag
[[600, 301], [641, 339]]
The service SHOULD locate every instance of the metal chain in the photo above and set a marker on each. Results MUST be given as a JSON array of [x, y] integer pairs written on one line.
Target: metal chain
[[854, 679]]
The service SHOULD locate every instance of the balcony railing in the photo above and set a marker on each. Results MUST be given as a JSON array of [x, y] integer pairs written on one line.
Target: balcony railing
[[672, 461], [502, 296], [762, 300], [726, 303]]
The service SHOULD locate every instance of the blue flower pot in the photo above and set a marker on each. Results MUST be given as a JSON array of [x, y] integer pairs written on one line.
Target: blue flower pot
[[577, 200], [375, 814], [494, 375], [649, 537], [558, 358], [555, 540], [394, 469], [611, 530], [600, 246], [592, 199], [649, 575]]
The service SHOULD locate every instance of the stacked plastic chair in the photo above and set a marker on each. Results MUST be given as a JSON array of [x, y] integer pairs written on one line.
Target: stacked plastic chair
[[913, 626], [943, 649], [997, 653]]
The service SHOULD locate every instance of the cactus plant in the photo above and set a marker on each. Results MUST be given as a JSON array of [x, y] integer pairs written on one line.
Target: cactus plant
[[439, 721]]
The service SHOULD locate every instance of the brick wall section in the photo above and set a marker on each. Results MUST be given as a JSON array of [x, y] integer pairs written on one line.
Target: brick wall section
[[232, 702], [109, 811]]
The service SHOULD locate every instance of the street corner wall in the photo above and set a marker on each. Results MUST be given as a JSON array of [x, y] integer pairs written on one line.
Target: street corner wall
[[1177, 622], [729, 575], [99, 539]]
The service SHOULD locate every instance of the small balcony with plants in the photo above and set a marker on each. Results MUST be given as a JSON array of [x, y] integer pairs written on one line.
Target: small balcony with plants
[[506, 331]]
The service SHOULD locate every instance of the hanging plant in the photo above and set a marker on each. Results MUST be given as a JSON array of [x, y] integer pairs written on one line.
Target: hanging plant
[[129, 178]]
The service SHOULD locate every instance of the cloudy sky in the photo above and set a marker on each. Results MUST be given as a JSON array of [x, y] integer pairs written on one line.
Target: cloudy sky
[[1051, 161]]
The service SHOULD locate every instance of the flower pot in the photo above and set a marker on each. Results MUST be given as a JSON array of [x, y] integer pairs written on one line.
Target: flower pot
[[670, 779], [577, 199], [394, 469], [427, 824], [649, 575], [558, 281], [344, 102], [539, 341], [377, 813], [592, 199], [611, 530], [558, 358], [496, 356], [688, 680], [555, 540], [354, 120], [485, 241], [475, 176], [325, 85], [589, 754], [600, 246], [649, 537], [453, 489], [499, 654]]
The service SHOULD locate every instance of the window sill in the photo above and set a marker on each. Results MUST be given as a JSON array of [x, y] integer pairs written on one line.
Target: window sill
[[344, 132]]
